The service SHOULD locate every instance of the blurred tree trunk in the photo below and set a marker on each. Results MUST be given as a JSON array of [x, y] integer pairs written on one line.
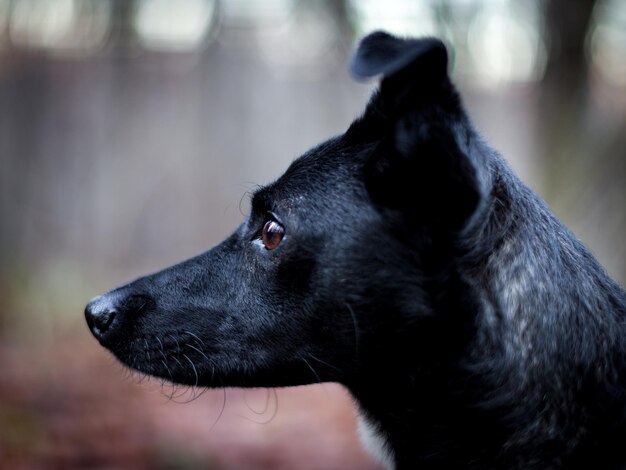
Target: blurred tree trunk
[[563, 91], [580, 157], [123, 31]]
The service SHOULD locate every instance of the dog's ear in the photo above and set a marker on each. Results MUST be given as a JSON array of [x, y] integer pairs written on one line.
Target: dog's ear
[[380, 53], [409, 67], [422, 171], [419, 165]]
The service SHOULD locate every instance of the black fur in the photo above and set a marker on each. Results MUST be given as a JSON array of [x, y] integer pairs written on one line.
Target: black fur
[[470, 325]]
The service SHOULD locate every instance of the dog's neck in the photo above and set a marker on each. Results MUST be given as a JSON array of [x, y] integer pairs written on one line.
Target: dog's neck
[[416, 402], [456, 387]]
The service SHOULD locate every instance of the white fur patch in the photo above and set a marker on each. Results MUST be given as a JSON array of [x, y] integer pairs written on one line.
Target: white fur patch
[[375, 443]]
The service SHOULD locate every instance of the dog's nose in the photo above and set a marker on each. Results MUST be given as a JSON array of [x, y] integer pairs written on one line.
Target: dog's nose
[[100, 314], [107, 313]]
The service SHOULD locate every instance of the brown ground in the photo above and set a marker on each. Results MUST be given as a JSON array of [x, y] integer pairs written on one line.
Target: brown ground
[[70, 405]]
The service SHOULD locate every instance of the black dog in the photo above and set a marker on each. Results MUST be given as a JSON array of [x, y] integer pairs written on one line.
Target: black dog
[[404, 260]]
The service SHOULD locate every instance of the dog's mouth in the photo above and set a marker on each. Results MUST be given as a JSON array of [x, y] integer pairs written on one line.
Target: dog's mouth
[[179, 358], [184, 358]]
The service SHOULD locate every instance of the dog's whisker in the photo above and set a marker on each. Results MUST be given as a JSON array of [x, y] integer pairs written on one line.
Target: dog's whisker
[[198, 340], [357, 333], [184, 391], [197, 350], [147, 350], [169, 371], [319, 380], [160, 343], [195, 371], [177, 392], [175, 341], [323, 362], [194, 394], [163, 361], [221, 412], [180, 364], [274, 394], [251, 408], [247, 194]]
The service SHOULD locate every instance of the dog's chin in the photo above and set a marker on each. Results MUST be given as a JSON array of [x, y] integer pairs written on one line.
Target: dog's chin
[[170, 376], [190, 371]]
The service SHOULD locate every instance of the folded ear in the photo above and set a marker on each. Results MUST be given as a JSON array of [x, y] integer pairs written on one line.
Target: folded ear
[[380, 53], [423, 164], [410, 68]]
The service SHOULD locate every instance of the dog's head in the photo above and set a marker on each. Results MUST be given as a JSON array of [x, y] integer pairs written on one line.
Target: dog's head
[[341, 262]]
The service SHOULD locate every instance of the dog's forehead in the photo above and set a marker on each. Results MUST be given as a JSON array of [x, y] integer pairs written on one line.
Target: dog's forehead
[[322, 171], [328, 160]]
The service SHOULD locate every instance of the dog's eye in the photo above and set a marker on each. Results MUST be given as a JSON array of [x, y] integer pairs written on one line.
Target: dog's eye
[[272, 234]]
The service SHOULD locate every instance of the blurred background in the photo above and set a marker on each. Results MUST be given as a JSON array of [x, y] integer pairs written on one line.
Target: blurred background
[[130, 131]]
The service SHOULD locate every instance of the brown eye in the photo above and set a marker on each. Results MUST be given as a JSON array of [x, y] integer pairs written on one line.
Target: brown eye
[[272, 234]]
